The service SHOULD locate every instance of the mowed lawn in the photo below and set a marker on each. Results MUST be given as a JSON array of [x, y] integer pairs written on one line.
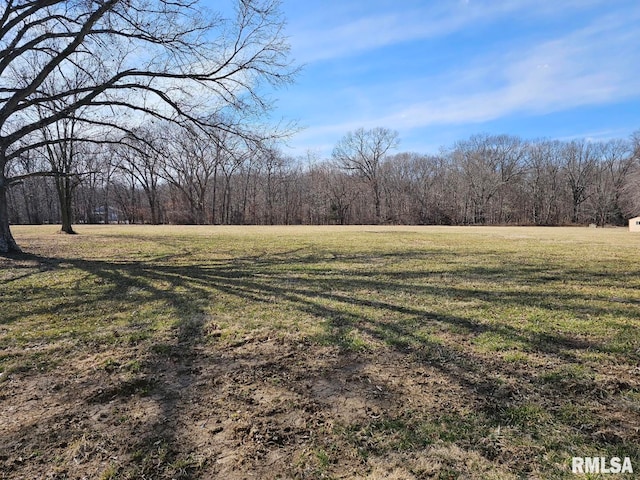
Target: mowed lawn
[[132, 352]]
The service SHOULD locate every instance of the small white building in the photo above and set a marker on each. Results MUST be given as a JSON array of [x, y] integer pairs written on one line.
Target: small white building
[[634, 224]]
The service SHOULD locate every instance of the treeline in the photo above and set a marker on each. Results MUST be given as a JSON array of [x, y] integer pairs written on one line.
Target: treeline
[[179, 176]]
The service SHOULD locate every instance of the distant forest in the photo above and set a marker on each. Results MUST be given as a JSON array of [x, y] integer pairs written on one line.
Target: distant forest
[[179, 177], [158, 111]]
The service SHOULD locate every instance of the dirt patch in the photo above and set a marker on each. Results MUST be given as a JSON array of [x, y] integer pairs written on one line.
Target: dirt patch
[[265, 408], [262, 408]]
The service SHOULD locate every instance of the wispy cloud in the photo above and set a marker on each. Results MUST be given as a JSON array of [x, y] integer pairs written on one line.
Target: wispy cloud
[[509, 67], [594, 65], [335, 37]]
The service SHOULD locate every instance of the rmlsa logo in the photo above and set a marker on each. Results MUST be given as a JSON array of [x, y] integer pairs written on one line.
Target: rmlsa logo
[[601, 465]]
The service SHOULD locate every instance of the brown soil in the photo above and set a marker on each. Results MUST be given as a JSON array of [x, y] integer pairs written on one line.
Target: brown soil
[[260, 408]]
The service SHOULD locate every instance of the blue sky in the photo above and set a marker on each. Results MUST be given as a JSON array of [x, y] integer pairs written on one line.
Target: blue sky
[[440, 71]]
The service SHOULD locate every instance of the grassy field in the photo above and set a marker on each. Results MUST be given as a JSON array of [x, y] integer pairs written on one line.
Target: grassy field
[[132, 352]]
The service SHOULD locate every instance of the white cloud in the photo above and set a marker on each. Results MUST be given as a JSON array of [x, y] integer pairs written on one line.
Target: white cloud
[[344, 35], [591, 66], [595, 64]]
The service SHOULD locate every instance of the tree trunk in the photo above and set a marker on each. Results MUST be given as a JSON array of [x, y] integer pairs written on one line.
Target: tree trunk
[[152, 198], [27, 202], [376, 201], [227, 202], [106, 204], [65, 196], [7, 243], [213, 196], [155, 220]]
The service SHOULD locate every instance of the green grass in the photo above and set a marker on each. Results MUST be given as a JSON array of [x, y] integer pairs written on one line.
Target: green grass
[[534, 332]]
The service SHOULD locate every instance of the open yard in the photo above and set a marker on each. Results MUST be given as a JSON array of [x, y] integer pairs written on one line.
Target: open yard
[[134, 352]]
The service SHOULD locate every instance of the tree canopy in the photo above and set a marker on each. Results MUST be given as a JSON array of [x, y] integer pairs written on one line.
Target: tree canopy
[[107, 64]]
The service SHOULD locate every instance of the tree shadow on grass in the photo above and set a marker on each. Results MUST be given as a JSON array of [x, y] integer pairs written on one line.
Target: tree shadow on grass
[[343, 301]]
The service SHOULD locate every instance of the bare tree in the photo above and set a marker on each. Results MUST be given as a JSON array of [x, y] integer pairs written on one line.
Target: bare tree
[[362, 152], [28, 186], [629, 197], [544, 187], [128, 198], [142, 157], [93, 198], [420, 179], [63, 157], [579, 166], [189, 167], [614, 163], [194, 67], [273, 163], [489, 163], [315, 185], [232, 152], [341, 195]]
